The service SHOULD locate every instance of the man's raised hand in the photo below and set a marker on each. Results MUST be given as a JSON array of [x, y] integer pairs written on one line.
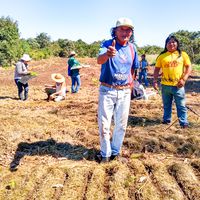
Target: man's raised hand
[[111, 51]]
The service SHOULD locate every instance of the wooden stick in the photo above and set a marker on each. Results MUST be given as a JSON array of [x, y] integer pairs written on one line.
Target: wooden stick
[[192, 111], [171, 124]]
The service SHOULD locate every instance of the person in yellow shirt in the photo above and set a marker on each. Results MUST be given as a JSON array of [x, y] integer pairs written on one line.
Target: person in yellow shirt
[[176, 68]]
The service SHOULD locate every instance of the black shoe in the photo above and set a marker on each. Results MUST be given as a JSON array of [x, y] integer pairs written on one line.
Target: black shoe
[[166, 122], [47, 99], [185, 126], [98, 157], [25, 97], [118, 158], [105, 159], [114, 157], [101, 159]]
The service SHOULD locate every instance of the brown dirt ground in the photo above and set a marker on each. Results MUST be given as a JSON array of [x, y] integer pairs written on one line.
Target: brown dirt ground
[[52, 146]]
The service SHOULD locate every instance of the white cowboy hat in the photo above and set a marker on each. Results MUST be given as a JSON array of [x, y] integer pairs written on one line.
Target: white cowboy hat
[[59, 78], [124, 22], [26, 57]]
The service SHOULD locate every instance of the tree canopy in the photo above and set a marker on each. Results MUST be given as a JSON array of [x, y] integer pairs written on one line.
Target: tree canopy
[[9, 41], [190, 42], [12, 46]]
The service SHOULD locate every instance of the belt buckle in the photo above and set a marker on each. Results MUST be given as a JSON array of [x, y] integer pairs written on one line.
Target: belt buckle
[[119, 87]]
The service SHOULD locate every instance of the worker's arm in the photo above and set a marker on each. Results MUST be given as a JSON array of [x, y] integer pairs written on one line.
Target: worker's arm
[[155, 78]]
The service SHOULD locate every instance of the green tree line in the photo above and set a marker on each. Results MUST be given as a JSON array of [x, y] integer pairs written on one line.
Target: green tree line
[[41, 47]]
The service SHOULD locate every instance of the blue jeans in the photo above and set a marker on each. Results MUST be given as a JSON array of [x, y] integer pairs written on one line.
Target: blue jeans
[[178, 94], [76, 83], [112, 103], [22, 87], [143, 75]]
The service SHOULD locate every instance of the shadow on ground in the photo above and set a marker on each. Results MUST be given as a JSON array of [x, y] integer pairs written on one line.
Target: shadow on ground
[[8, 97], [53, 148], [142, 121]]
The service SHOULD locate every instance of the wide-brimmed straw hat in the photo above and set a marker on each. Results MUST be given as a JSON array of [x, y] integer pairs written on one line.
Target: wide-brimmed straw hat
[[59, 78], [26, 57], [72, 53]]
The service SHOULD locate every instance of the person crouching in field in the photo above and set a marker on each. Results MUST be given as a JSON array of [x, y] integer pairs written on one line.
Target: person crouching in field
[[176, 68], [21, 69], [56, 92]]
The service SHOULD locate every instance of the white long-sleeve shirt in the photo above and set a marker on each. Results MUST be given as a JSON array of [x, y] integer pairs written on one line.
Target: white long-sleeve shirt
[[20, 69]]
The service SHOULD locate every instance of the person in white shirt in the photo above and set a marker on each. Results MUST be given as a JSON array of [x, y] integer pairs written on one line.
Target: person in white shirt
[[56, 92], [21, 69]]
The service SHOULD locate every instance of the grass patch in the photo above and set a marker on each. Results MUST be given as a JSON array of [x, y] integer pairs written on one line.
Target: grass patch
[[53, 144], [196, 67]]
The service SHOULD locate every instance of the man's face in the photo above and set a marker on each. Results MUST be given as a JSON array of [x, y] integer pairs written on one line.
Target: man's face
[[123, 34], [26, 62]]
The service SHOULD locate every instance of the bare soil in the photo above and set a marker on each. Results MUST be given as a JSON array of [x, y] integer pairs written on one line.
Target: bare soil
[[48, 148]]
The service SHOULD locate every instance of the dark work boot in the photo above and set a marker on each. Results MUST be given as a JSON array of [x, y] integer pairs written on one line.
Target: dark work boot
[[166, 122], [114, 157], [48, 98], [25, 96], [21, 96], [101, 159], [105, 159], [184, 126]]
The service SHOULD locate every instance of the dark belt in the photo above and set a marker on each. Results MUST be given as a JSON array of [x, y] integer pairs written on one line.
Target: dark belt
[[117, 87]]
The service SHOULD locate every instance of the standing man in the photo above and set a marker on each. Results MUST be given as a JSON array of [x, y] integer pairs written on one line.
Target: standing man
[[74, 73], [118, 59], [176, 68], [143, 70], [21, 69]]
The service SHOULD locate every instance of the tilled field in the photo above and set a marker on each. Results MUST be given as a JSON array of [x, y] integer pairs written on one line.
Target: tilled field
[[155, 177], [48, 149]]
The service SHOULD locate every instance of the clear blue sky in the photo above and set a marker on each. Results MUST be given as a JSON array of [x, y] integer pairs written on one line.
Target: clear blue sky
[[91, 20]]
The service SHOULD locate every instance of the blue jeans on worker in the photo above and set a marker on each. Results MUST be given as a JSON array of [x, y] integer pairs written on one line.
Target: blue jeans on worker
[[76, 83], [22, 90], [112, 103], [170, 93], [143, 75]]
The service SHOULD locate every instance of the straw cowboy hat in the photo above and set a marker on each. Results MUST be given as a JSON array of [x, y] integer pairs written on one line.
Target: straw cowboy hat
[[124, 22], [59, 78], [72, 53], [26, 57]]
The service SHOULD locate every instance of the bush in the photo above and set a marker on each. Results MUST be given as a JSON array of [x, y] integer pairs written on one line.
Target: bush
[[197, 59], [40, 54], [9, 41], [196, 67]]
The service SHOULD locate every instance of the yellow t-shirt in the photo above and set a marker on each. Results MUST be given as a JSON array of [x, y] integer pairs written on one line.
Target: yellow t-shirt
[[172, 66]]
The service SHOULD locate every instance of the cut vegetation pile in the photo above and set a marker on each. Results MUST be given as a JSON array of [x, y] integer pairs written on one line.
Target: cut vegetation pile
[[48, 149]]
